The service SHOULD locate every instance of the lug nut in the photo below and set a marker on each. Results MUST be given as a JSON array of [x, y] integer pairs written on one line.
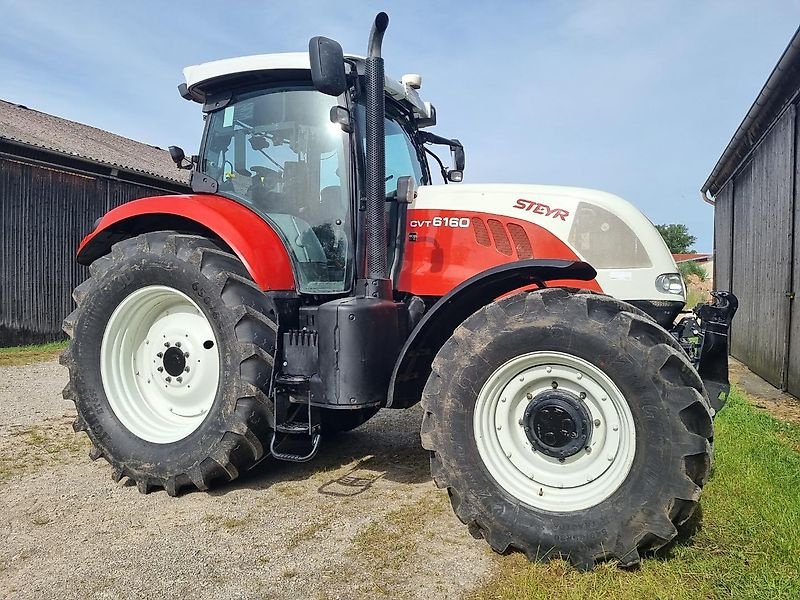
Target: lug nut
[[555, 385], [177, 344], [582, 395], [168, 378], [160, 369], [529, 396], [160, 355], [597, 422], [186, 370], [179, 379], [166, 344], [185, 355]]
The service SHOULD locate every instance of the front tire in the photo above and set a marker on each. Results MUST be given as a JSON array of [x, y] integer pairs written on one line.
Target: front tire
[[565, 424], [170, 362]]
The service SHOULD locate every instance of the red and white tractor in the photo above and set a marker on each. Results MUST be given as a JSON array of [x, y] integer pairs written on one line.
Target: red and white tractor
[[316, 275]]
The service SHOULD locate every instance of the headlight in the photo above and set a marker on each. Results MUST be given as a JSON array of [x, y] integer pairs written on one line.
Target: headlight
[[670, 283]]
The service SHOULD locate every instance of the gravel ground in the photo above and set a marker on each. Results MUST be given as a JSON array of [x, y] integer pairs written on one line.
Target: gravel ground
[[779, 404], [362, 521]]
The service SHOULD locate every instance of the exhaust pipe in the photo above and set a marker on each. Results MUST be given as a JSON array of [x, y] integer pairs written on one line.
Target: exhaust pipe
[[375, 224]]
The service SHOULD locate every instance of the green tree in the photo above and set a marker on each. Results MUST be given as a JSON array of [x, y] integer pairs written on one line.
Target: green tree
[[677, 237]]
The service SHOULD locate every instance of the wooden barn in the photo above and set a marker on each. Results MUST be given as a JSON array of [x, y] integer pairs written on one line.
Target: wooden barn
[[57, 177], [754, 189]]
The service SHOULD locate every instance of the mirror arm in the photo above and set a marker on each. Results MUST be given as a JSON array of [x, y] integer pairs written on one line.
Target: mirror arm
[[441, 164], [431, 138]]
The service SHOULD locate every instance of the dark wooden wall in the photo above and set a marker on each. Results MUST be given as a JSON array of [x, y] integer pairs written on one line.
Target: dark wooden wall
[[44, 213], [793, 362], [754, 235], [723, 238]]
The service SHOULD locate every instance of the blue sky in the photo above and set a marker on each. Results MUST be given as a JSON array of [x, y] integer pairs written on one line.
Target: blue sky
[[635, 98]]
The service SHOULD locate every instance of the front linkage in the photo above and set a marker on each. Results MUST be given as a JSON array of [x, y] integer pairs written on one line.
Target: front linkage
[[704, 337]]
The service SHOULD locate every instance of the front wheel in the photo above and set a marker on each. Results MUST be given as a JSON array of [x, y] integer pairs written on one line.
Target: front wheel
[[170, 362], [565, 424]]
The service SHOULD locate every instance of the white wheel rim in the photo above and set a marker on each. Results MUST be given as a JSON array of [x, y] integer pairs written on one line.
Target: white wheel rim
[[577, 482], [159, 362]]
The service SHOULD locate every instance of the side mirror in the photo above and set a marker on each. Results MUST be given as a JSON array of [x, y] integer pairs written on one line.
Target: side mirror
[[457, 151], [456, 174], [177, 154], [179, 157], [327, 66], [406, 189]]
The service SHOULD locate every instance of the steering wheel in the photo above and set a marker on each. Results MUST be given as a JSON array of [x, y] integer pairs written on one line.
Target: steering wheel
[[265, 172]]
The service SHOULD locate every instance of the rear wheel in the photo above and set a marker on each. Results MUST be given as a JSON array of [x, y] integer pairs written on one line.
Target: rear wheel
[[565, 424], [170, 362]]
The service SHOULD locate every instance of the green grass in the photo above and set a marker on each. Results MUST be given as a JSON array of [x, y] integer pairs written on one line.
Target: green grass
[[25, 355], [748, 545]]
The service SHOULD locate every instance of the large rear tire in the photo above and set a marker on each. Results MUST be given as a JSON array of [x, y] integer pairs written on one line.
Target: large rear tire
[[564, 424], [170, 362]]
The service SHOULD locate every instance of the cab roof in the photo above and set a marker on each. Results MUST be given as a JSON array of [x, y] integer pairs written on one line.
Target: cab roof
[[213, 76]]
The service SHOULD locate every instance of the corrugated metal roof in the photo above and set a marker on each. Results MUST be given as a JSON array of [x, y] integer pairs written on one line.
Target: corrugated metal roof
[[690, 256], [23, 125]]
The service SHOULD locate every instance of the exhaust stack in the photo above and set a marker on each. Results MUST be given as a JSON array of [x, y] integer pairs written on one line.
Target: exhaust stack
[[375, 223]]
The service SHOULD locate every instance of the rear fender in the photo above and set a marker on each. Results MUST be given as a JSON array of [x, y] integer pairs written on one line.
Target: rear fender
[[413, 366], [248, 235]]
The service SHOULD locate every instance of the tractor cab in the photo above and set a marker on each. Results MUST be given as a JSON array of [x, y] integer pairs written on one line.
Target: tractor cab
[[296, 155]]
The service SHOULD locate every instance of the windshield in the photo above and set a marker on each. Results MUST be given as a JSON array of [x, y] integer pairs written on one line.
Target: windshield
[[278, 152]]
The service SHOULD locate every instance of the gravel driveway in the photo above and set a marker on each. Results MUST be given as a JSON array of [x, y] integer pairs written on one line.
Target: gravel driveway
[[362, 521]]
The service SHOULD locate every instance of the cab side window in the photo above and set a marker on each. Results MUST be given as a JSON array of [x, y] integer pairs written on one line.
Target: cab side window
[[401, 156]]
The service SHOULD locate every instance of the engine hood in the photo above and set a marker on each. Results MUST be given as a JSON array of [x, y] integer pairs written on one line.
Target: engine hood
[[603, 229]]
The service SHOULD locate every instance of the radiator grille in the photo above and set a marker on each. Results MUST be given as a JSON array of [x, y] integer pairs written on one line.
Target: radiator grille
[[481, 233], [521, 241], [500, 237]]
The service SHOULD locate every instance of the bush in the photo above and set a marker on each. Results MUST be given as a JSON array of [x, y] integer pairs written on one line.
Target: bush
[[691, 267]]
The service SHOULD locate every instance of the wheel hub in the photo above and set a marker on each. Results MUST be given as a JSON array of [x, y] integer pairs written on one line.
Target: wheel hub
[[557, 423], [174, 361], [554, 431]]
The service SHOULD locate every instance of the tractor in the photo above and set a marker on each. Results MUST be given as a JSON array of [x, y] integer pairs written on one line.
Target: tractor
[[316, 275]]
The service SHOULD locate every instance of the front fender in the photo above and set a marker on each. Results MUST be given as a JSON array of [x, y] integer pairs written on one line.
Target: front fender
[[249, 236], [413, 366]]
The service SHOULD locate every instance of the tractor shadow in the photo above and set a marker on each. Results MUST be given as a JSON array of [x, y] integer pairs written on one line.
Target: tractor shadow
[[348, 464]]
